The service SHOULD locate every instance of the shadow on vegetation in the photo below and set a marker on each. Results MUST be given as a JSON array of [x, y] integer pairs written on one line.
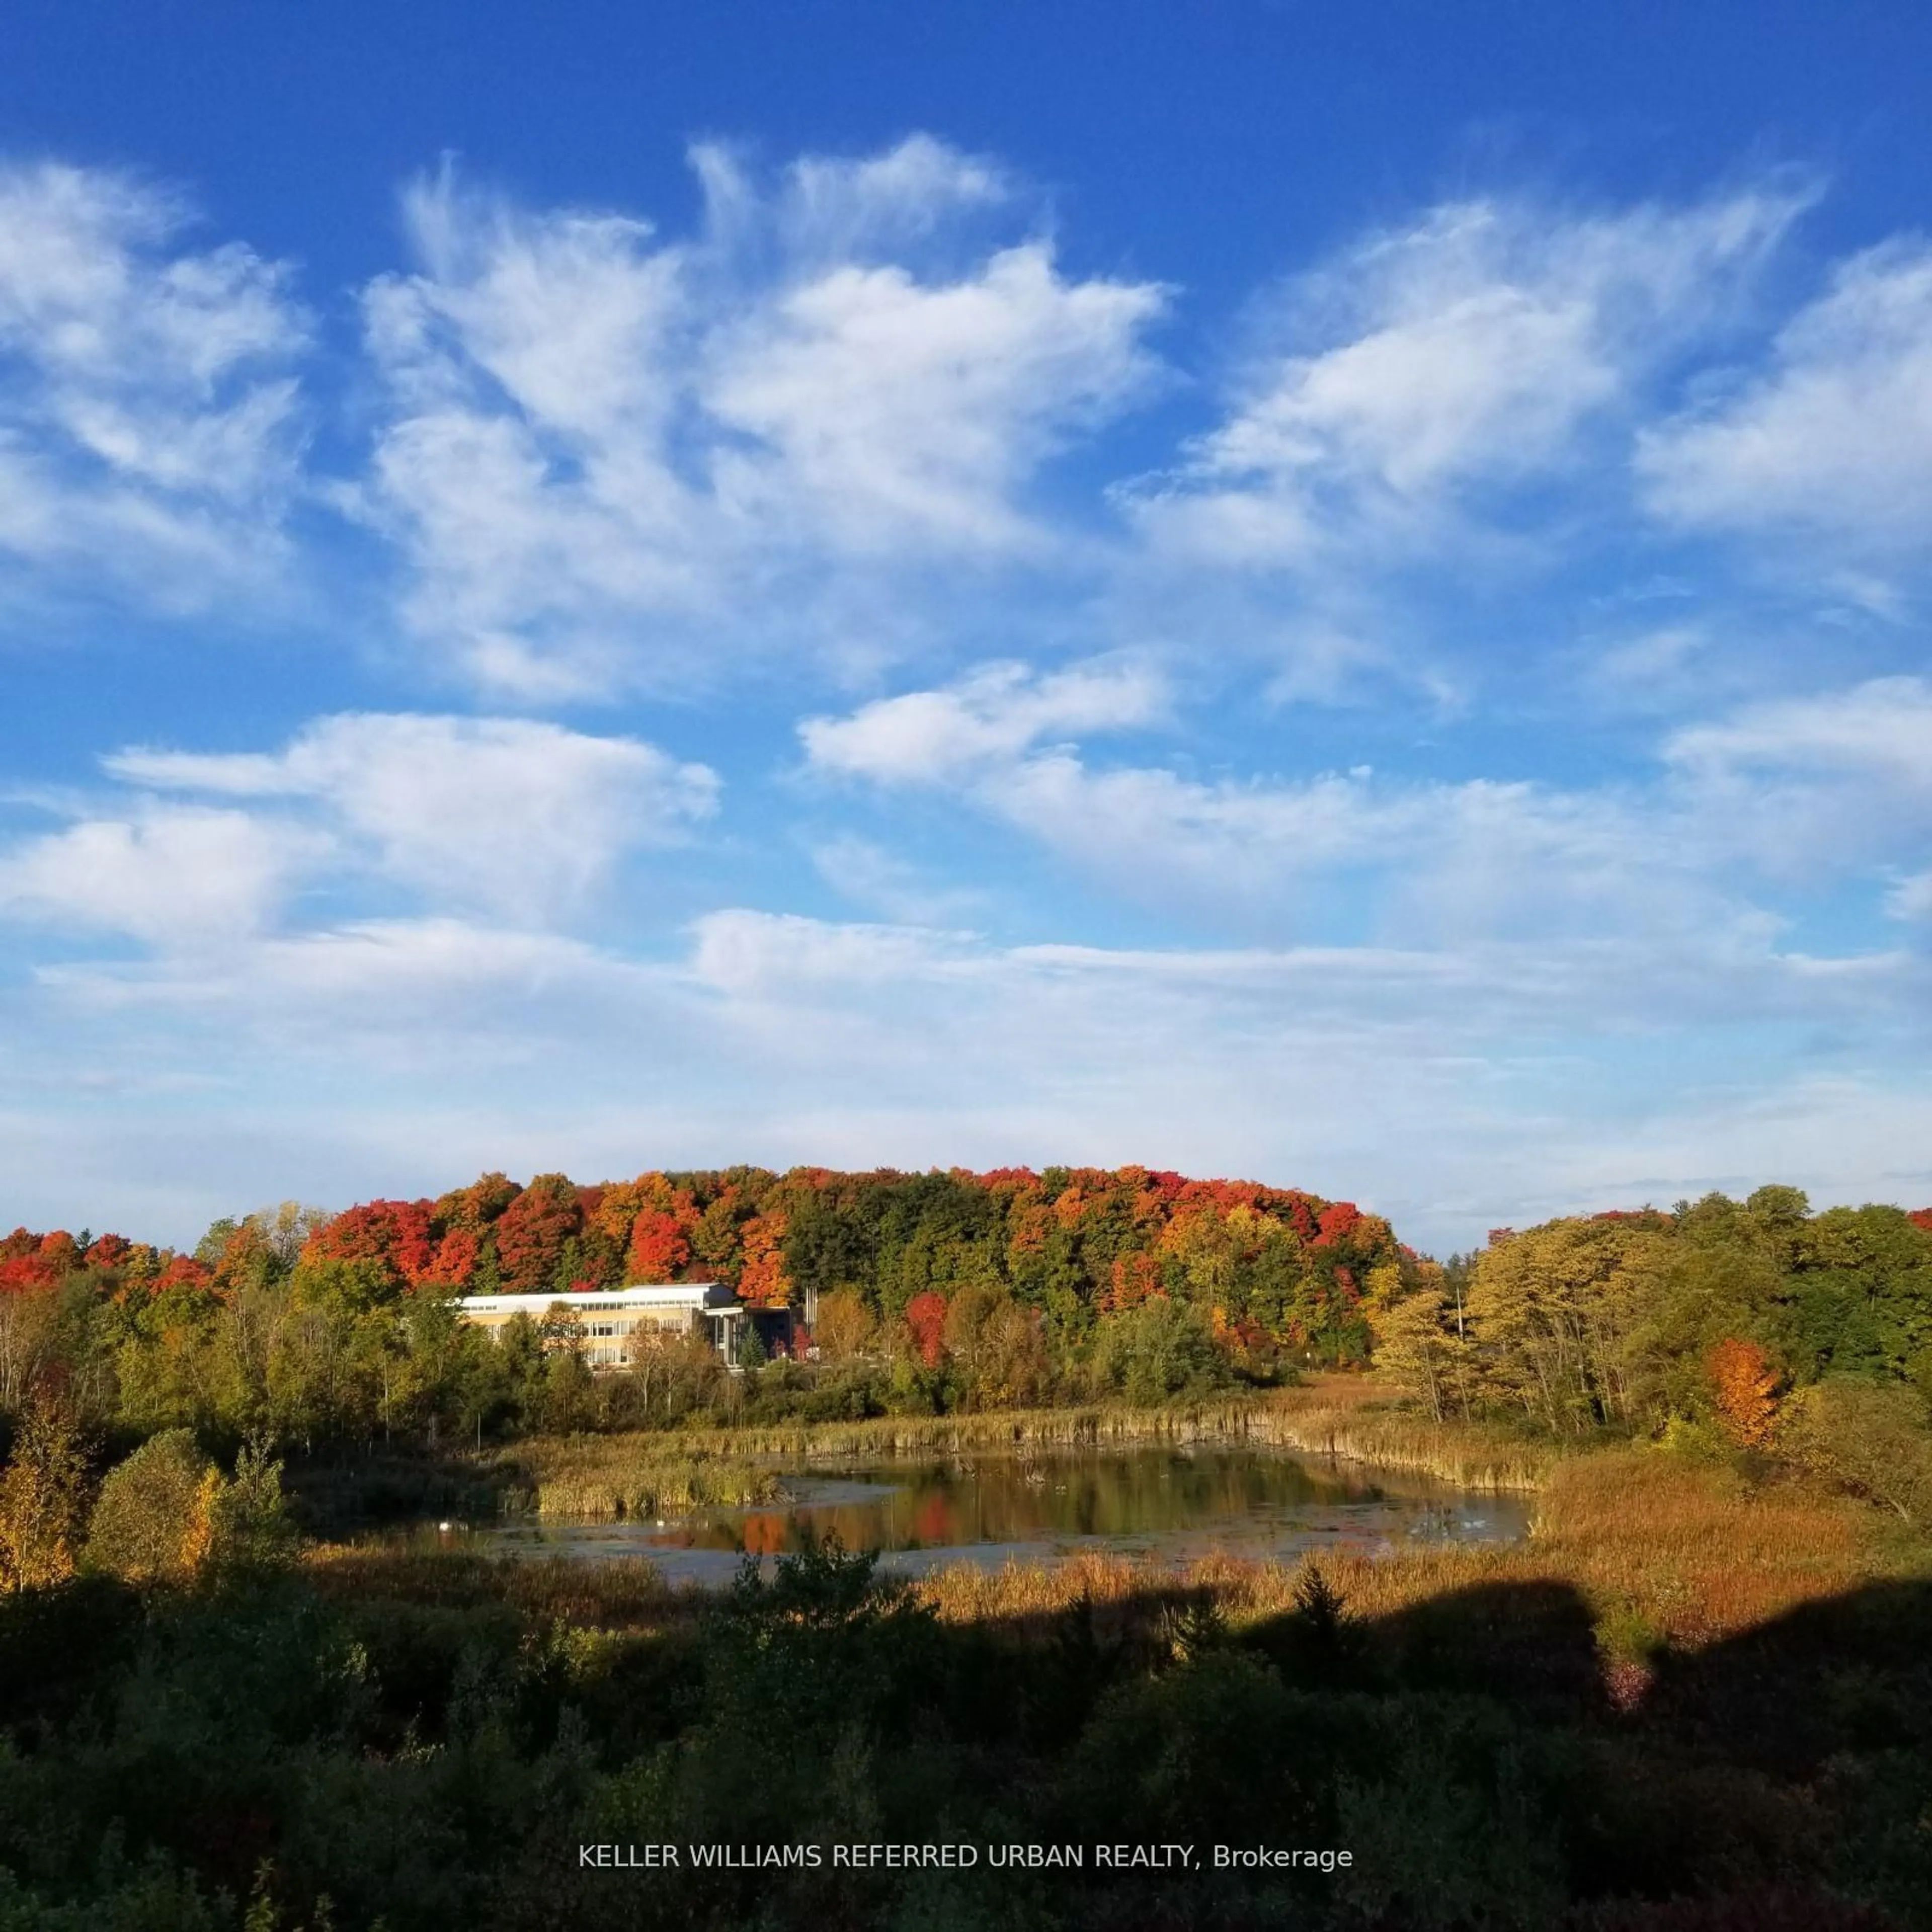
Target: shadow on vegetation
[[334, 1495], [1846, 1674], [426, 1740]]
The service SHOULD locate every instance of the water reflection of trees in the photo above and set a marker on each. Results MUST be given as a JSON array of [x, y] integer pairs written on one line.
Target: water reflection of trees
[[1136, 1495]]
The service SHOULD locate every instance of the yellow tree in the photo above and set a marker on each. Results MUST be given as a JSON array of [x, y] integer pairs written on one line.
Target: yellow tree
[[1558, 1312], [1013, 1367], [43, 1497], [845, 1327], [1414, 1346]]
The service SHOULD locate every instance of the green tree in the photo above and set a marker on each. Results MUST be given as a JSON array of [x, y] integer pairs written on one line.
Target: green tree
[[752, 1353], [1161, 1351], [248, 1515], [152, 1519], [1559, 1313], [1867, 1437]]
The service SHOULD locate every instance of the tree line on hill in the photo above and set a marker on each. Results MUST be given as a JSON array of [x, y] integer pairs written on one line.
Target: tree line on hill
[[930, 1291], [1758, 1322]]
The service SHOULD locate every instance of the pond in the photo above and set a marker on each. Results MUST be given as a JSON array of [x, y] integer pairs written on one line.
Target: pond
[[1167, 1504]]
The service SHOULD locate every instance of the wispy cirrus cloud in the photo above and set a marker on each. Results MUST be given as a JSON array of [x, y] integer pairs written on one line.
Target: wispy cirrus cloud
[[990, 717], [1820, 787], [1831, 443], [597, 440], [1777, 793], [850, 430], [1881, 729], [150, 426], [786, 1038], [1256, 848], [1465, 353]]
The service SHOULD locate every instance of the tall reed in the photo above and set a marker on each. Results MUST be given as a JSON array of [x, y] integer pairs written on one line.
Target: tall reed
[[602, 1477], [658, 1473]]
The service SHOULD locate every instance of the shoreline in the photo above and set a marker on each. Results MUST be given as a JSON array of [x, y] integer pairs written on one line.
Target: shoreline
[[590, 1478]]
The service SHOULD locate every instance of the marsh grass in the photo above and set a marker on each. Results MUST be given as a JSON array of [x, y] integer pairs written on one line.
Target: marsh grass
[[652, 1474], [618, 1593], [1702, 1551], [602, 1478], [877, 1438], [1354, 1418], [1642, 1564], [1659, 1553], [663, 1473], [1660, 1550]]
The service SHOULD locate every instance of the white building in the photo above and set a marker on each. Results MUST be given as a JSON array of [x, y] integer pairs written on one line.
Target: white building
[[612, 1318]]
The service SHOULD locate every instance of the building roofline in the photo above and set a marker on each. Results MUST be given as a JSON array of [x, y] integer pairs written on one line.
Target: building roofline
[[708, 1297]]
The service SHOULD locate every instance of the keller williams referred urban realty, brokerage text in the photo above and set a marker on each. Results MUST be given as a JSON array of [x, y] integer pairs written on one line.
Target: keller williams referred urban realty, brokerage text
[[960, 1857]]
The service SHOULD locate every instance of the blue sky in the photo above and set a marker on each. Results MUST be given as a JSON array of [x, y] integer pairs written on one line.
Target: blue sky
[[1338, 596]]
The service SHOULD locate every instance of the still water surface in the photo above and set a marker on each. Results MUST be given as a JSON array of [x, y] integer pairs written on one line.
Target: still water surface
[[1166, 1504]]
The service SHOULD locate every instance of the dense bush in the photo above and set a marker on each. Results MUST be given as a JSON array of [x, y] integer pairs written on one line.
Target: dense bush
[[155, 1516], [167, 1513], [1161, 1351], [1870, 1438]]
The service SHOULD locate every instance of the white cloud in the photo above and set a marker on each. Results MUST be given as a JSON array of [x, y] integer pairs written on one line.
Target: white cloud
[[1783, 793], [826, 207], [176, 877], [1816, 786], [608, 458], [524, 818], [1882, 729], [888, 416], [1651, 666], [742, 952], [1452, 1086], [378, 977], [1467, 350], [1440, 858], [1438, 862], [1833, 441], [989, 717], [149, 425], [1476, 1078]]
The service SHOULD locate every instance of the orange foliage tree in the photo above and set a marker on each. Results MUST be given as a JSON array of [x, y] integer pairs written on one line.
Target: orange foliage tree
[[395, 1235], [1742, 1387], [763, 1280]]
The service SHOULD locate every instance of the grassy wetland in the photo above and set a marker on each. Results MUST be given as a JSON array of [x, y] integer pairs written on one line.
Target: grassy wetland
[[1697, 1694], [634, 1474]]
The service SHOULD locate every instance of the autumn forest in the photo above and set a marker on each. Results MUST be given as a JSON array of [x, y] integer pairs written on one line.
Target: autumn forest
[[958, 1291]]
